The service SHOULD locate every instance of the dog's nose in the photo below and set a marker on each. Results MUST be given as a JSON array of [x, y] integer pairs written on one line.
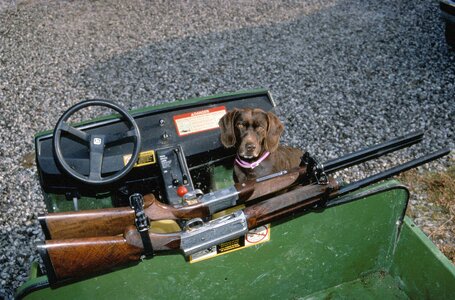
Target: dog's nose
[[250, 147]]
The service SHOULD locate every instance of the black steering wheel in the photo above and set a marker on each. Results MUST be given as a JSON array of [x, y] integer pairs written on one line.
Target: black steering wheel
[[97, 143]]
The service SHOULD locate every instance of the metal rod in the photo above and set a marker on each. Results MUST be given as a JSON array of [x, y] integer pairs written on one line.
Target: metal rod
[[75, 203], [392, 172], [372, 152]]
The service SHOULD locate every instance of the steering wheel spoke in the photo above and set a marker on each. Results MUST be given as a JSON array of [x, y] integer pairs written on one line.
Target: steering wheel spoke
[[96, 157], [120, 138], [75, 132]]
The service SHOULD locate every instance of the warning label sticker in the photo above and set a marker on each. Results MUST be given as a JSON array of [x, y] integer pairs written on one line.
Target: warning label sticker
[[253, 237], [145, 158], [257, 235], [198, 121]]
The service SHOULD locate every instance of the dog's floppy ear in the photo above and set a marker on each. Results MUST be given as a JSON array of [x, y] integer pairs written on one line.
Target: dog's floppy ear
[[226, 124], [274, 130]]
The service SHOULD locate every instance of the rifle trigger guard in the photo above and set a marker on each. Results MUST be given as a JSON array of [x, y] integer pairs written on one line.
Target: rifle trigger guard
[[142, 223]]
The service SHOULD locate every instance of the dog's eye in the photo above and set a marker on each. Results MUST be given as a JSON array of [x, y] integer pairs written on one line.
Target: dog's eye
[[258, 127], [240, 125]]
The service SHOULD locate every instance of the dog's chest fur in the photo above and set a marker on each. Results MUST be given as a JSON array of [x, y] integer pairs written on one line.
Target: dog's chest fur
[[283, 158], [242, 174]]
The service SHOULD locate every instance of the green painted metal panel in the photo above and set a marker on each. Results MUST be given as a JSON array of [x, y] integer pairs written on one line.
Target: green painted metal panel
[[308, 253], [379, 285], [59, 203], [422, 270], [222, 177]]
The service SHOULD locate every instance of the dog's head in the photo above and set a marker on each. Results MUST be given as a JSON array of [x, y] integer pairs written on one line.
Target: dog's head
[[251, 131]]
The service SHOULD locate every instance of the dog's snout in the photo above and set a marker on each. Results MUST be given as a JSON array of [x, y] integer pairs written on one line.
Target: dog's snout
[[250, 147]]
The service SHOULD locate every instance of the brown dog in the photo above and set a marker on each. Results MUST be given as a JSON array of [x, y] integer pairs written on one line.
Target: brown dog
[[256, 134]]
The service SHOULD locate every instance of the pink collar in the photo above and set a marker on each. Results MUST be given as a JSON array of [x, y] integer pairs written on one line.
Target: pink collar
[[247, 165]]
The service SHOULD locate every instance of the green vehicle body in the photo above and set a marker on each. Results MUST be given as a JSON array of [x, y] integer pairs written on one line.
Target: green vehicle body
[[365, 249]]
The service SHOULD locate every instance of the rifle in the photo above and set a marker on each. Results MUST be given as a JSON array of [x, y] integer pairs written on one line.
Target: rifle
[[73, 259], [112, 221]]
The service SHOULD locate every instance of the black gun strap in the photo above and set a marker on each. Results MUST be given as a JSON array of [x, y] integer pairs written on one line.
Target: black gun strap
[[147, 242], [142, 223]]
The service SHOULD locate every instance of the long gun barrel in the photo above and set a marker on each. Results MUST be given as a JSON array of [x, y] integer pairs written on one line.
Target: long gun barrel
[[112, 221], [76, 258], [372, 152]]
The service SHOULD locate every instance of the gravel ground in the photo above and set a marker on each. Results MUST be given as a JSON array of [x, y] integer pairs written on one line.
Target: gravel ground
[[345, 74]]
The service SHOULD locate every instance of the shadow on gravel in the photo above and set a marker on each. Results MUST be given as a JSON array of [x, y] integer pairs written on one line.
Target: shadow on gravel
[[366, 70]]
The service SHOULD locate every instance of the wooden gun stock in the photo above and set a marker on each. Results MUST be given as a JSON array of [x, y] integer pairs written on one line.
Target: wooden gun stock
[[88, 223], [112, 221], [70, 259], [287, 204]]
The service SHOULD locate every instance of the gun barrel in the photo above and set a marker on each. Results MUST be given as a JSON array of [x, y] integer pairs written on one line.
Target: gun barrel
[[313, 195], [392, 172], [372, 152]]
